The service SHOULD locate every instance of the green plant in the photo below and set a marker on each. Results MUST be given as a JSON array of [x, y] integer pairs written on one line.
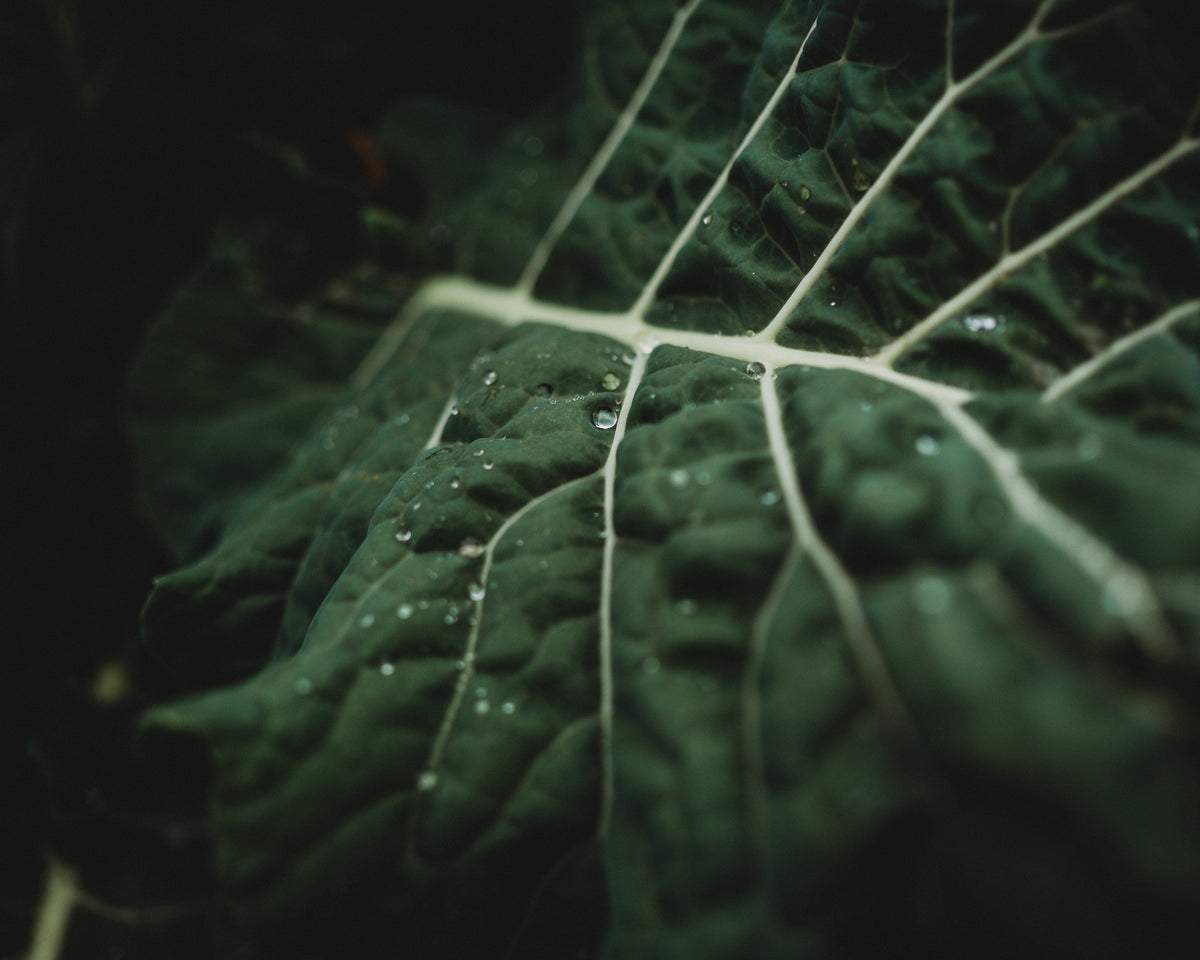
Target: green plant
[[751, 515]]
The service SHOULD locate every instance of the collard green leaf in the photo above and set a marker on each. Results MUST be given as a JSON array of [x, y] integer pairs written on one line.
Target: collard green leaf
[[778, 526]]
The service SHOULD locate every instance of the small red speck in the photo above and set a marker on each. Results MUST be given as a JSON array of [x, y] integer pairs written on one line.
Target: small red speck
[[368, 151]]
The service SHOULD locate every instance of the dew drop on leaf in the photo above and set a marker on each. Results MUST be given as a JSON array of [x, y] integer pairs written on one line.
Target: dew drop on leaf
[[489, 378], [508, 707], [476, 591], [980, 322], [487, 464], [755, 370], [303, 686], [927, 446], [604, 418], [482, 707], [544, 390], [707, 218], [805, 193], [387, 669], [366, 620], [471, 547], [769, 498], [427, 780], [404, 611], [610, 381], [403, 535], [679, 478]]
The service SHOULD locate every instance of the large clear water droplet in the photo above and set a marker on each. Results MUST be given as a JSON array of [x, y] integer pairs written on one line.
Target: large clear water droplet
[[604, 418], [403, 535], [610, 381], [755, 370]]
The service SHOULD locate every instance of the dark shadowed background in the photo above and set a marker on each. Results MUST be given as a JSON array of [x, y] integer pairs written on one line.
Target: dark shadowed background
[[128, 130]]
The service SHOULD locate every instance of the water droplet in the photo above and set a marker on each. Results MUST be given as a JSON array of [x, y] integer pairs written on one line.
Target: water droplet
[[833, 303], [451, 618], [927, 446], [679, 478], [366, 620], [755, 370], [454, 483], [651, 665], [707, 218], [508, 707], [471, 547], [805, 193], [866, 406], [427, 780], [482, 707], [476, 591], [387, 669], [404, 611], [861, 180], [931, 595], [980, 322], [604, 419], [303, 686], [487, 464], [404, 534], [769, 498], [544, 390], [610, 381], [736, 228], [478, 452], [687, 608]]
